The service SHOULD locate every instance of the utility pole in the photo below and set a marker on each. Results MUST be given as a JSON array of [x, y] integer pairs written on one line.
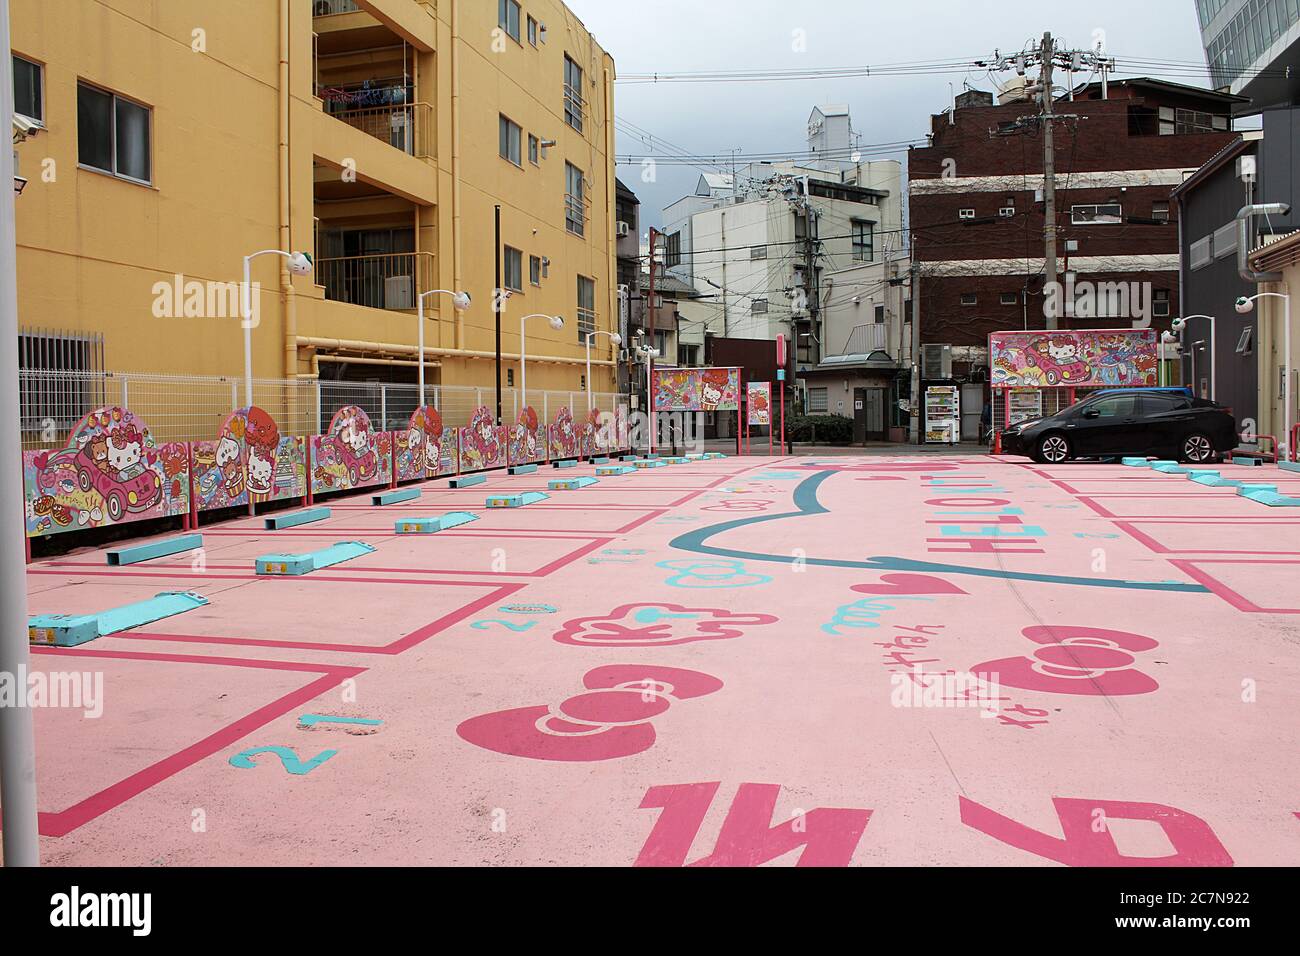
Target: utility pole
[[1046, 56], [17, 737], [1046, 53]]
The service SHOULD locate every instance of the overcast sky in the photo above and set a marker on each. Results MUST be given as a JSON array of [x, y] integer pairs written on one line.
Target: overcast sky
[[690, 35]]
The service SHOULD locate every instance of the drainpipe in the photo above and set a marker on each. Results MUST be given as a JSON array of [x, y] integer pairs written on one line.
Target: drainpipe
[[612, 192], [288, 305], [456, 261]]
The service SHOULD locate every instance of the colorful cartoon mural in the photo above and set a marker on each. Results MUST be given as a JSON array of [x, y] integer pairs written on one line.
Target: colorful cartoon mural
[[563, 436], [624, 437], [1085, 358], [482, 443], [596, 433], [696, 389], [525, 446], [250, 461], [110, 472], [759, 403], [352, 454], [419, 448]]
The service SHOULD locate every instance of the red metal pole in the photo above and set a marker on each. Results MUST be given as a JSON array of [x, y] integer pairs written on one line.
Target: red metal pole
[[311, 480], [193, 523], [782, 384]]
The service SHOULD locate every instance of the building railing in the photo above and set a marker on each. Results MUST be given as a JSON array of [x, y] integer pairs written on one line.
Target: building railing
[[388, 281], [404, 126], [865, 339], [194, 407], [329, 8]]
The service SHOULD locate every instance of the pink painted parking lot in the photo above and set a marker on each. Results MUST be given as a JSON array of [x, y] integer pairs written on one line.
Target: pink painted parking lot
[[840, 661]]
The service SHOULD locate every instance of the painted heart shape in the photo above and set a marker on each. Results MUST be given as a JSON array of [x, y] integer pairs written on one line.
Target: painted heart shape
[[909, 584]]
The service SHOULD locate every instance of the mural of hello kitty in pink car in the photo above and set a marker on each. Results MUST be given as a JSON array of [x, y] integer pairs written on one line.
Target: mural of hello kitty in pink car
[[110, 471], [1060, 359], [352, 454]]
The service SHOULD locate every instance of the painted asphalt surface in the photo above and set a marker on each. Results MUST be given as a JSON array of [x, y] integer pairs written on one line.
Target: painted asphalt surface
[[730, 662]]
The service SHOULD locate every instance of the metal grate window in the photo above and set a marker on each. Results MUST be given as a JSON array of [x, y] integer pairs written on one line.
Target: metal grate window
[[586, 307]]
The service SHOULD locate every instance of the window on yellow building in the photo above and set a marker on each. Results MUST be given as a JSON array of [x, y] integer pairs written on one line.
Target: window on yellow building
[[113, 134], [575, 204], [535, 270], [29, 99], [586, 307], [510, 141], [508, 17], [513, 265], [573, 101]]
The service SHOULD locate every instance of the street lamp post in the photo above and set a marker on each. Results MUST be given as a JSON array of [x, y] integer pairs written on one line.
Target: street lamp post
[[300, 264], [1167, 338], [1178, 326], [615, 340], [461, 302], [1245, 305], [557, 323]]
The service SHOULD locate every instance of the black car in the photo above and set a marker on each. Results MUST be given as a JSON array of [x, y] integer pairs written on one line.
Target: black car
[[1168, 423]]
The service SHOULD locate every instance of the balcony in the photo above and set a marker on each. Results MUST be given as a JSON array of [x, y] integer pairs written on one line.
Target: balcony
[[867, 348], [402, 126], [388, 281]]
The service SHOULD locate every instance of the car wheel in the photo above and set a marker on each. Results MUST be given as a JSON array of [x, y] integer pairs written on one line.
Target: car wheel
[[1198, 449], [114, 503], [1053, 449]]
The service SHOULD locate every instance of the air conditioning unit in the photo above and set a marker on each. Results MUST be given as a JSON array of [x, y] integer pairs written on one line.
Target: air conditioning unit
[[399, 133], [399, 292], [936, 362], [622, 229]]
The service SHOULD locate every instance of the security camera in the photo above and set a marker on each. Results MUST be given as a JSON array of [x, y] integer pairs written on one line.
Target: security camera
[[26, 127], [300, 264], [1244, 305]]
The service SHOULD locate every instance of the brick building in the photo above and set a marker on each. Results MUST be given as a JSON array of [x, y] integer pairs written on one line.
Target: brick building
[[977, 215]]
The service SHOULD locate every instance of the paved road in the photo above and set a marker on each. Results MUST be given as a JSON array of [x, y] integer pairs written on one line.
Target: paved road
[[839, 660]]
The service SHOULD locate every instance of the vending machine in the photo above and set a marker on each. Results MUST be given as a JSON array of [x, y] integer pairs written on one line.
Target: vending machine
[[942, 414]]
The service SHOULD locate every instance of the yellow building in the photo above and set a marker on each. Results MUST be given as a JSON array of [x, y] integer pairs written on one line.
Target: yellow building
[[174, 137]]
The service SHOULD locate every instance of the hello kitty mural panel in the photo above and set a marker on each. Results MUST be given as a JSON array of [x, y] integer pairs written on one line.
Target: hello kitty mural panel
[[696, 389], [251, 461], [110, 472], [1087, 358], [352, 454]]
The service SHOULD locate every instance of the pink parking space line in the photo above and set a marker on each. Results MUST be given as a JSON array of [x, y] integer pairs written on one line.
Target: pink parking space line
[[1130, 528], [63, 822], [421, 634], [1234, 598]]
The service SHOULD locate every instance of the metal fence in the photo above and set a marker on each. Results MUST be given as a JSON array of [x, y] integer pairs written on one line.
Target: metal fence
[[193, 408]]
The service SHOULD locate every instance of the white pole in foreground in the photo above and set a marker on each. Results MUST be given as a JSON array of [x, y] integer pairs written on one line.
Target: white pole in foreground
[[17, 737]]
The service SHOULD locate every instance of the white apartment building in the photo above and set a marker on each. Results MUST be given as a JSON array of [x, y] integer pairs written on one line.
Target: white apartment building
[[771, 246]]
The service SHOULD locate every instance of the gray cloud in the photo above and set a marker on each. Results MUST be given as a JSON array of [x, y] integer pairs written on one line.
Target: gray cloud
[[691, 35]]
